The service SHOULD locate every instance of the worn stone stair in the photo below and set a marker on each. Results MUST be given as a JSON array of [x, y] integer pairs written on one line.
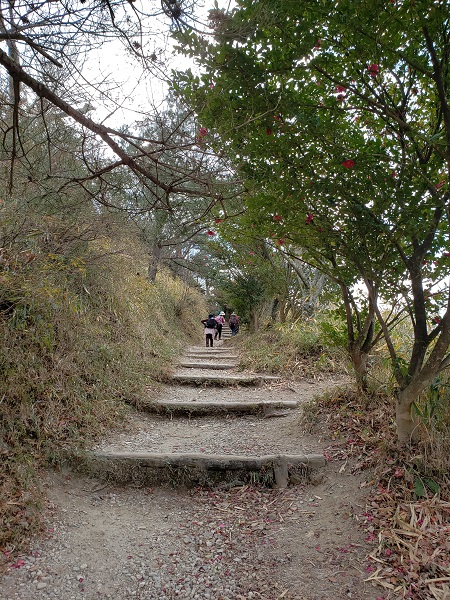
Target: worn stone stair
[[205, 367], [200, 365], [266, 407], [148, 467]]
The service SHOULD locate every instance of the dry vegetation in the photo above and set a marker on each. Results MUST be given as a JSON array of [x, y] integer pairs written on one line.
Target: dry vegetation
[[83, 333], [408, 514], [292, 351]]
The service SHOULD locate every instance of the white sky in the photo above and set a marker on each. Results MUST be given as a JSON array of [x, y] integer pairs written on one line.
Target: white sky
[[137, 92]]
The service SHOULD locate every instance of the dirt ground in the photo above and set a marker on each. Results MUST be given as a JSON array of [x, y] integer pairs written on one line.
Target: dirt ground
[[240, 541]]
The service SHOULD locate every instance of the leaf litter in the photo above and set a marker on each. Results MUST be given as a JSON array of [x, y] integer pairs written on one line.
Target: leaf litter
[[411, 558]]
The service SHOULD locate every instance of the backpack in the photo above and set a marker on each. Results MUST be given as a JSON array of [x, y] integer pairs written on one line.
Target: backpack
[[233, 320], [211, 323]]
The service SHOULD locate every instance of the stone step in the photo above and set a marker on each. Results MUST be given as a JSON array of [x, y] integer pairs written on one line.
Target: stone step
[[222, 379], [209, 356], [214, 350], [206, 365], [214, 407], [200, 469]]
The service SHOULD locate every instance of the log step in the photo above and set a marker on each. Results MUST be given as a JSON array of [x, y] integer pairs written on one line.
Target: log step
[[207, 365], [215, 407], [221, 379], [151, 468], [208, 356], [213, 350]]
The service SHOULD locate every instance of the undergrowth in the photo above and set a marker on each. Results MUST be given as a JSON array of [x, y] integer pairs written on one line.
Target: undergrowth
[[292, 351], [409, 499], [83, 334]]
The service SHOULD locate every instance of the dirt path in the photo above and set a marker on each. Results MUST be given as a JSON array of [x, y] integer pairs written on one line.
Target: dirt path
[[236, 542]]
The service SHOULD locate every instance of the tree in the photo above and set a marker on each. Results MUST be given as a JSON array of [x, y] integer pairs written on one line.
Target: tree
[[340, 118], [47, 45]]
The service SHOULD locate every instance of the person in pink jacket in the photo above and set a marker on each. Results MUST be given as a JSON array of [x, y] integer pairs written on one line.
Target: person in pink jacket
[[220, 320]]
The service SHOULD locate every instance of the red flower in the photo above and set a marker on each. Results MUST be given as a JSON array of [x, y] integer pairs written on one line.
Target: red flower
[[209, 232], [277, 218], [437, 320], [217, 220], [276, 118], [309, 218], [268, 131], [373, 70], [280, 242], [340, 88], [319, 43], [447, 254], [348, 164], [440, 184], [202, 131]]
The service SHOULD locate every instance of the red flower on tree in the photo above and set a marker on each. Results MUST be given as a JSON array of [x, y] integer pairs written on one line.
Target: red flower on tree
[[309, 218], [217, 220], [340, 88], [209, 232], [268, 131], [277, 218], [373, 70], [348, 164]]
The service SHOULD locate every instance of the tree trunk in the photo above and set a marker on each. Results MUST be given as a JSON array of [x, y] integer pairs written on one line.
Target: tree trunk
[[155, 259], [254, 321], [407, 424], [359, 360], [283, 311], [275, 310]]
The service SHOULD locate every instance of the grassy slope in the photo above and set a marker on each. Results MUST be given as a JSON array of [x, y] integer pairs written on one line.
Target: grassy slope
[[80, 340]]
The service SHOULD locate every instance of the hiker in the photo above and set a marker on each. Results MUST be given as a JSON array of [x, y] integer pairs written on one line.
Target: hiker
[[210, 327], [220, 320], [234, 323]]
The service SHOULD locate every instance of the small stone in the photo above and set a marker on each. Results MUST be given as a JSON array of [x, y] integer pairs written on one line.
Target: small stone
[[41, 585]]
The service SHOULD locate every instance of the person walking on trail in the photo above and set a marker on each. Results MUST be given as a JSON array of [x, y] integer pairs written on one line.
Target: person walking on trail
[[210, 327], [234, 323], [220, 319]]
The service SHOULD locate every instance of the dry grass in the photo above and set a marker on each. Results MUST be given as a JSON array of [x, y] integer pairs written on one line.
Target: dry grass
[[82, 336], [293, 352]]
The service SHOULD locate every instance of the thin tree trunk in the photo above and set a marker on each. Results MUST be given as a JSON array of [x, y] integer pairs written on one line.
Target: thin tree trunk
[[359, 360], [254, 321], [407, 424], [154, 263], [275, 310], [283, 311]]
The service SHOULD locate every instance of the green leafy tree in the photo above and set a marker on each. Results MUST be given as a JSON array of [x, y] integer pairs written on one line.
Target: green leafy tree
[[338, 115]]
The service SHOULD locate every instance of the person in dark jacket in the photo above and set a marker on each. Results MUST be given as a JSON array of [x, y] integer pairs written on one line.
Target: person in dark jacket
[[210, 327], [234, 323]]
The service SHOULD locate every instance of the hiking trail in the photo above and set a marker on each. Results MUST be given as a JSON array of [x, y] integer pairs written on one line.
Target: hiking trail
[[210, 492]]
